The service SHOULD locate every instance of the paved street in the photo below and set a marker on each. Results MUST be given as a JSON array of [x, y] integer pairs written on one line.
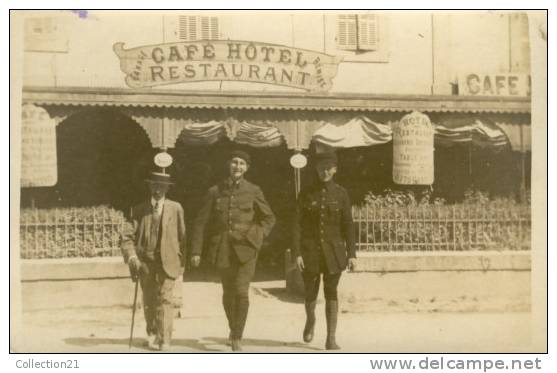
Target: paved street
[[275, 322]]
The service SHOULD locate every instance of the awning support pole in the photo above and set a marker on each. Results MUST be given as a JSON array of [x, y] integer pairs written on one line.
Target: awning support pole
[[523, 167]]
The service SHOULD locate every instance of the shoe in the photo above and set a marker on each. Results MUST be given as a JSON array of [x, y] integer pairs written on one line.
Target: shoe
[[164, 347], [236, 345], [152, 342], [331, 344], [229, 341]]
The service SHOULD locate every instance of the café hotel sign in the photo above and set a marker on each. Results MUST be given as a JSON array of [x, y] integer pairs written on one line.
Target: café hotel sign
[[217, 60], [505, 84]]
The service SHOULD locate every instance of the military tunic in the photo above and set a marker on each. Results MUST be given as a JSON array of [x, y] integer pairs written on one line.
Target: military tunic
[[323, 229], [235, 217]]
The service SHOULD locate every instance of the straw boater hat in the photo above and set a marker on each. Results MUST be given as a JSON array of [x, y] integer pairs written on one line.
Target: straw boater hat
[[159, 178]]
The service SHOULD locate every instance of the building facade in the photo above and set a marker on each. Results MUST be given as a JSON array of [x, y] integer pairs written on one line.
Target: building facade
[[122, 86]]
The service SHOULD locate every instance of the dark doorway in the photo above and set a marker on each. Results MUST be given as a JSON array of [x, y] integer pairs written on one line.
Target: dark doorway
[[103, 157]]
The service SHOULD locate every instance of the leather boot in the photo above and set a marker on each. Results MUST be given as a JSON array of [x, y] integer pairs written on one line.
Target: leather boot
[[236, 345], [229, 308], [331, 313], [240, 315], [310, 321]]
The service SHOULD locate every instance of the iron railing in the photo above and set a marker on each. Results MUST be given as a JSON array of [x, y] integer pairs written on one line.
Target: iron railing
[[70, 232], [442, 228]]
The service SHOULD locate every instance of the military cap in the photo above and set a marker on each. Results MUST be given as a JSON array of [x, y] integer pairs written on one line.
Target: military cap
[[240, 154], [328, 159]]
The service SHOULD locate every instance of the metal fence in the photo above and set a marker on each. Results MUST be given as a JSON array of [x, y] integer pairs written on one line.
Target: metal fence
[[70, 232], [95, 231], [443, 228]]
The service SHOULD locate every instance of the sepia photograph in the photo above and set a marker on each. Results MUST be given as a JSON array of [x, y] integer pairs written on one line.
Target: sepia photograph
[[288, 181]]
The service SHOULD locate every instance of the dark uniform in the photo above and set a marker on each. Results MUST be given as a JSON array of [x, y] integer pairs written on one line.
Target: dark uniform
[[324, 235], [235, 218], [324, 238]]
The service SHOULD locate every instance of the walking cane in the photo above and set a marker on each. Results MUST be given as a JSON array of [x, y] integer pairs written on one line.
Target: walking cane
[[133, 311]]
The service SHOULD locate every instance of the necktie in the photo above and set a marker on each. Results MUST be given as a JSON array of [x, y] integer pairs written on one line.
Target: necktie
[[156, 208]]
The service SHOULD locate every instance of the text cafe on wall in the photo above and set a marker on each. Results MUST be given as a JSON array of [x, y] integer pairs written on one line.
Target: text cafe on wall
[[407, 100]]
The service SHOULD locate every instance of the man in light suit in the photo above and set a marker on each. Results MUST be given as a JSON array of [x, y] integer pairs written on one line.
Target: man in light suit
[[155, 250], [235, 218]]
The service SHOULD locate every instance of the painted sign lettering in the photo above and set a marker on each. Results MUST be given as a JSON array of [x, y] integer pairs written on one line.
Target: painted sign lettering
[[218, 60]]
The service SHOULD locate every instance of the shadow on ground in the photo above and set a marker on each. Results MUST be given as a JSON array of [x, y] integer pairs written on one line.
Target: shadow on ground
[[203, 345], [281, 294], [246, 342], [138, 343]]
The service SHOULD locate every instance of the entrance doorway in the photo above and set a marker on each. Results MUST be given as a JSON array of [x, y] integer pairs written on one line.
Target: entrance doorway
[[197, 168]]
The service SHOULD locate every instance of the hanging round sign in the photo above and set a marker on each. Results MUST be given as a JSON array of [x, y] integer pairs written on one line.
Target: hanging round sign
[[298, 161], [163, 159]]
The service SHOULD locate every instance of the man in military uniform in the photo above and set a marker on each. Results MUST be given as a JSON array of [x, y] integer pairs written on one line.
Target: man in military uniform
[[154, 248], [235, 217], [323, 243]]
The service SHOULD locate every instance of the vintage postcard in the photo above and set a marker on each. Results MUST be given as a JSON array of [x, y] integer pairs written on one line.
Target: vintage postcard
[[278, 181]]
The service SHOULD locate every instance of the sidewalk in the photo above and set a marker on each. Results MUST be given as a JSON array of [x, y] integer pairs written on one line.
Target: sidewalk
[[397, 318]]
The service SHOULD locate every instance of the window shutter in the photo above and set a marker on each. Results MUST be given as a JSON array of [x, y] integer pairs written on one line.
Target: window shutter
[[191, 28], [205, 31], [347, 37], [214, 28], [368, 32]]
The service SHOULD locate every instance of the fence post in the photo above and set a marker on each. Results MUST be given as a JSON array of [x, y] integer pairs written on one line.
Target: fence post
[[381, 226], [36, 228], [453, 210], [373, 230]]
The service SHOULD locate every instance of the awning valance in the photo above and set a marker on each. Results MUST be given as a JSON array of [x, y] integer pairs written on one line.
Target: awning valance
[[359, 131], [151, 98]]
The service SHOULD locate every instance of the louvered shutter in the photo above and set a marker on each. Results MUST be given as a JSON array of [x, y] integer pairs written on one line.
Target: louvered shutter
[[214, 28], [205, 30], [368, 32], [347, 37], [192, 28]]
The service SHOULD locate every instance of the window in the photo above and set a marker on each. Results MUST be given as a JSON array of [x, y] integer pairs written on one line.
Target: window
[[358, 32], [192, 28]]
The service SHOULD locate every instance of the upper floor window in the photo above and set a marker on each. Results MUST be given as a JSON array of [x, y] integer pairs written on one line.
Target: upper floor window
[[357, 32], [192, 28]]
